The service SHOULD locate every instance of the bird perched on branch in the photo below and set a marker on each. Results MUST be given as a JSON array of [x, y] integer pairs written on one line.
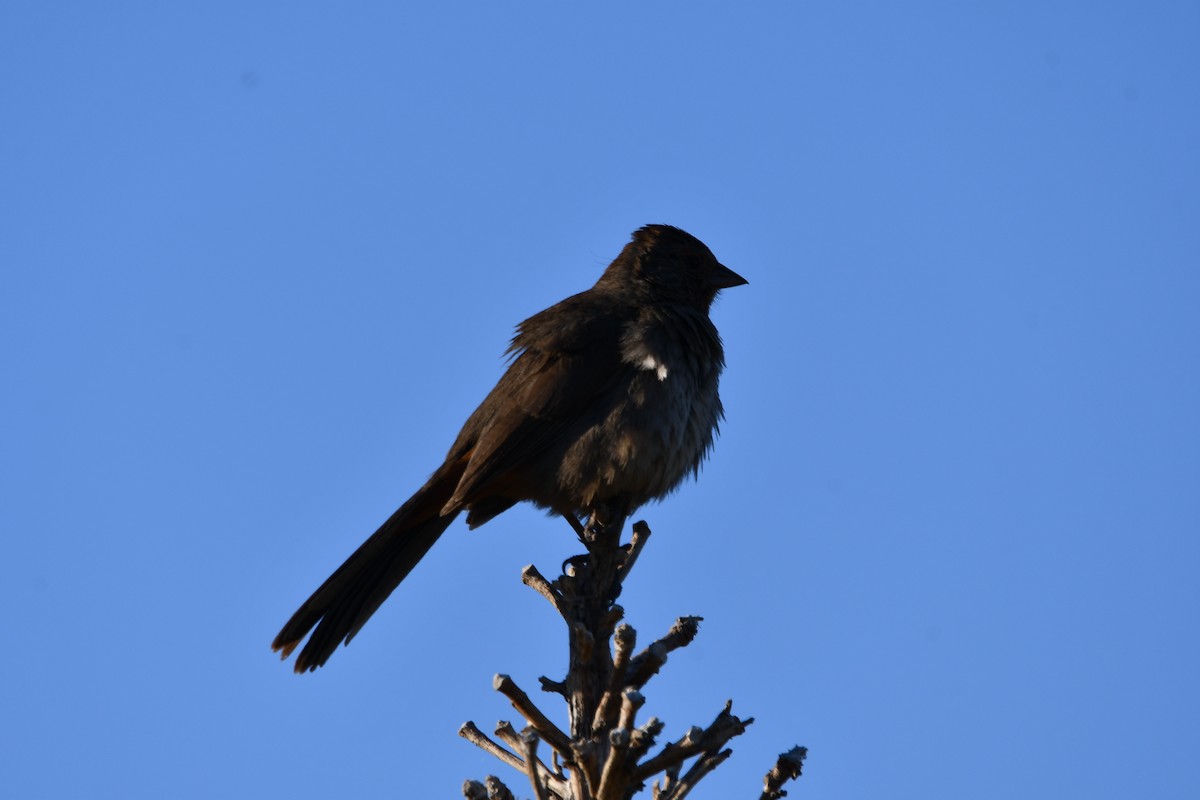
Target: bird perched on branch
[[610, 401]]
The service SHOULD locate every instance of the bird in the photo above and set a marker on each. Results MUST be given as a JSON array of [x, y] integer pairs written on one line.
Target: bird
[[610, 400]]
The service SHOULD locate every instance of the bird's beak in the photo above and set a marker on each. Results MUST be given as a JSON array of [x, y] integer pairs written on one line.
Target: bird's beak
[[724, 278]]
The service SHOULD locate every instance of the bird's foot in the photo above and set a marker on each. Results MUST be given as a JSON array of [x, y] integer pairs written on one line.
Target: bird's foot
[[576, 526], [576, 563]]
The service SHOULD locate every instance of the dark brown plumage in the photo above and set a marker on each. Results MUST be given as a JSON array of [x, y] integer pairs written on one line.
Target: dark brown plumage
[[610, 401]]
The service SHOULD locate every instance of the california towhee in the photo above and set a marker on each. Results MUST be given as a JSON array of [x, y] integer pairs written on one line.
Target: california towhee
[[611, 401]]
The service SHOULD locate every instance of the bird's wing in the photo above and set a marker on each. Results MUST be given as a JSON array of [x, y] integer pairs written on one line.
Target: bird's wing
[[561, 374]]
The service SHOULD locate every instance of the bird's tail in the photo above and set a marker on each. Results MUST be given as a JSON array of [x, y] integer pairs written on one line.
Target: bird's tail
[[348, 598]]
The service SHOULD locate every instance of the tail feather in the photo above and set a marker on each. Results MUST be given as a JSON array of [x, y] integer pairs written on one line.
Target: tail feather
[[348, 598]]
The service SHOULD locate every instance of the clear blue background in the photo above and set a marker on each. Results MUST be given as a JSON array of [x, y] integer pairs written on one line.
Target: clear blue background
[[261, 260]]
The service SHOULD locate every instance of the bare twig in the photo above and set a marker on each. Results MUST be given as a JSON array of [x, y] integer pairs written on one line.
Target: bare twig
[[529, 743], [477, 737], [611, 778], [647, 663], [533, 715], [713, 738], [497, 790], [492, 790], [637, 541], [787, 768], [506, 733], [536, 581], [552, 777], [615, 776], [579, 786], [642, 739], [624, 640], [631, 701], [704, 765]]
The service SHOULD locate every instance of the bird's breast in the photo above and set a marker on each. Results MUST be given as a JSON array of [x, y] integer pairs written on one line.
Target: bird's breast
[[658, 425]]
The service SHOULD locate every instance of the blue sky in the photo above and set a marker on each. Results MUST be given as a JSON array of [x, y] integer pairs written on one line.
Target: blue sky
[[260, 262]]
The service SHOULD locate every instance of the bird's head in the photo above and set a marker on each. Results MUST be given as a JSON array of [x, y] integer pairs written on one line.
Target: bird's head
[[669, 264]]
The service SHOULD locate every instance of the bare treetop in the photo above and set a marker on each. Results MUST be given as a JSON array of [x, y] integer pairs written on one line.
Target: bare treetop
[[604, 751]]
